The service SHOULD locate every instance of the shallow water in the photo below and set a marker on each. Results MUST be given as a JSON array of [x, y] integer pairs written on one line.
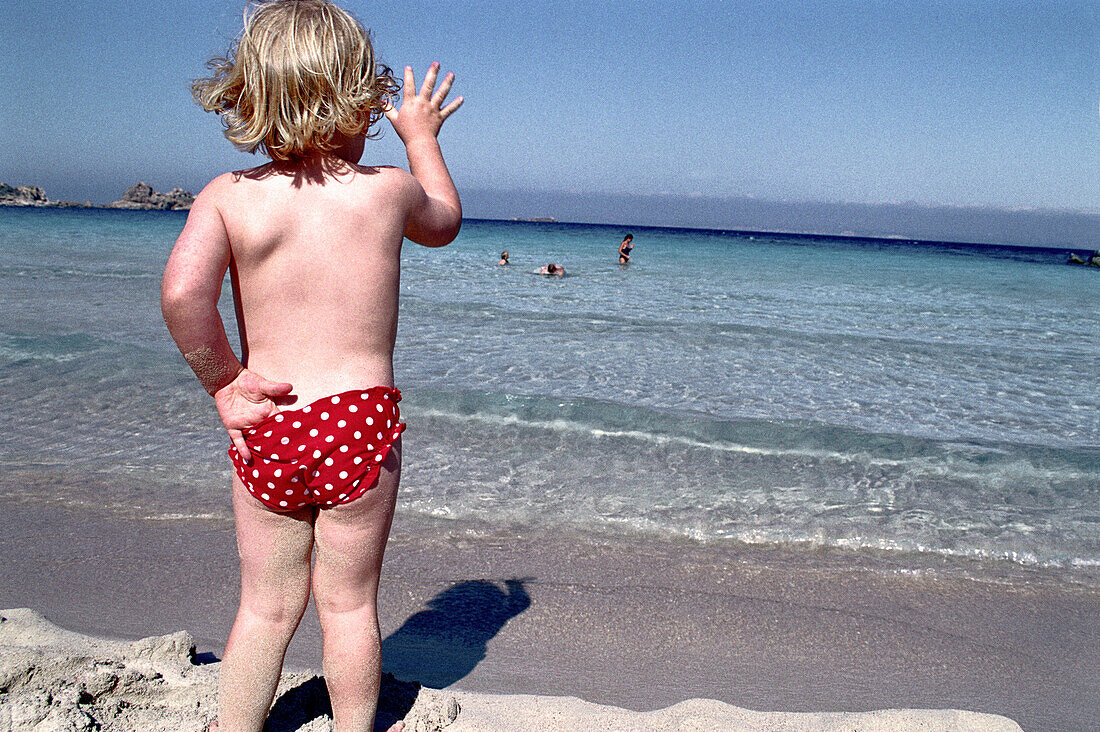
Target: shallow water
[[774, 389]]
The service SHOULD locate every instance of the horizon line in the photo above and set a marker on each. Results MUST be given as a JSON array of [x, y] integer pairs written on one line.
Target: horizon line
[[891, 239], [800, 201]]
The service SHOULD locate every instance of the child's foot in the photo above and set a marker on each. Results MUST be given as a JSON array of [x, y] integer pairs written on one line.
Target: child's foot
[[213, 726], [397, 726]]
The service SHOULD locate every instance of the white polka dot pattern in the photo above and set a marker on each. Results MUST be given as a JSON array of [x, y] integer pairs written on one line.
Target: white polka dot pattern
[[343, 464]]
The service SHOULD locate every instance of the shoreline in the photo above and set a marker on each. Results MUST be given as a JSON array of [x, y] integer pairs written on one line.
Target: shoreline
[[626, 623], [982, 567]]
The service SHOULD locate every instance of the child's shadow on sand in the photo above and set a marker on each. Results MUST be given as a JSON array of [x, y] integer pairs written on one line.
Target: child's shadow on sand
[[444, 643], [435, 648]]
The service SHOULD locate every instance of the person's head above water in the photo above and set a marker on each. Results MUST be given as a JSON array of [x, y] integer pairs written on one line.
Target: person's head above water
[[551, 268], [301, 81], [504, 255]]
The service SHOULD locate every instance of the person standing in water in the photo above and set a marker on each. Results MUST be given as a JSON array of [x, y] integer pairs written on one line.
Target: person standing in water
[[625, 248]]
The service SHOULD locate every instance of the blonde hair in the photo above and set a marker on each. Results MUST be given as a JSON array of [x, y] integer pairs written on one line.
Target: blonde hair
[[301, 75]]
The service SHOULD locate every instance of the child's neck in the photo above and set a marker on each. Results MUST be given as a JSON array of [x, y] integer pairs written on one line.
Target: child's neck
[[316, 167]]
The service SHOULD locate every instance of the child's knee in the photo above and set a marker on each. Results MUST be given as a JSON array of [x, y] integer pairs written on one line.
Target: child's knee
[[278, 603], [334, 598], [277, 610]]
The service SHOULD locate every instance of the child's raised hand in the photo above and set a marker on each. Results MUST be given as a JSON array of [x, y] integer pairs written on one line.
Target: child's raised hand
[[245, 401], [422, 113]]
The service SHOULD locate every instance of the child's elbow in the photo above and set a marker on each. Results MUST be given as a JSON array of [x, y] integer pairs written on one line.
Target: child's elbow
[[446, 235], [177, 295], [438, 233], [173, 298]]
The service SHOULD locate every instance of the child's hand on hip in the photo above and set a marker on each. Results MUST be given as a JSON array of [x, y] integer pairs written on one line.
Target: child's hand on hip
[[422, 113], [245, 401]]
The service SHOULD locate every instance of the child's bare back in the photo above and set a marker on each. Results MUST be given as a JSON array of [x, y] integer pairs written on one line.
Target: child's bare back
[[312, 242], [316, 266]]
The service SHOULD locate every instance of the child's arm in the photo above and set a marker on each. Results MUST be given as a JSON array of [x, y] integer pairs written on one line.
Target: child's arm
[[189, 296], [435, 219]]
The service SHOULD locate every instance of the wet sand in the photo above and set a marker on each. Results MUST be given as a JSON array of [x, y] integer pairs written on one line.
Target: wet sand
[[636, 624]]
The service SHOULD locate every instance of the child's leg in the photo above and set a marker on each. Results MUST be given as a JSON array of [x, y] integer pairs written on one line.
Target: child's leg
[[274, 550], [351, 539]]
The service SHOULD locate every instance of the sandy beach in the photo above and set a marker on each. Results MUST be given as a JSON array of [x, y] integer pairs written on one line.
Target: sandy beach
[[567, 622], [56, 679]]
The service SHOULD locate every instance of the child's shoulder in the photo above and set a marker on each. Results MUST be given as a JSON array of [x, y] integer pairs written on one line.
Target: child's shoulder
[[398, 181], [245, 187], [221, 186], [387, 174]]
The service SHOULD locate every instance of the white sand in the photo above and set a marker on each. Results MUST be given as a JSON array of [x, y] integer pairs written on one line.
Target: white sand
[[484, 712], [53, 680]]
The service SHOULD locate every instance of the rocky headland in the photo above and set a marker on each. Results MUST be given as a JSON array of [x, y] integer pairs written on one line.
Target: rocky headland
[[140, 196], [33, 196]]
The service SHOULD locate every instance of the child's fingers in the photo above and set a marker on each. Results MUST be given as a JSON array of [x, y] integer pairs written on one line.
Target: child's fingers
[[451, 108], [444, 90], [429, 80], [258, 390], [238, 442], [275, 388]]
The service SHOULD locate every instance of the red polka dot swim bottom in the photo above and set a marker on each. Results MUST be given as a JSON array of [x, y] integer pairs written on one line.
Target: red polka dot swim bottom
[[324, 454]]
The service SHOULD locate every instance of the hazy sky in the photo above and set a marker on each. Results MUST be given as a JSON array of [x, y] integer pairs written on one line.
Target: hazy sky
[[963, 103]]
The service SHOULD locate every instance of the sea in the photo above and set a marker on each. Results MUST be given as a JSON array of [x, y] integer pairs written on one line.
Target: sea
[[928, 403]]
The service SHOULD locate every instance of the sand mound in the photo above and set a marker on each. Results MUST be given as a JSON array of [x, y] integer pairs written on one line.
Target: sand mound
[[54, 680]]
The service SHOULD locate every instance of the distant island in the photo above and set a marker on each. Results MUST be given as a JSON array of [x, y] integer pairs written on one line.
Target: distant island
[[139, 196], [537, 219]]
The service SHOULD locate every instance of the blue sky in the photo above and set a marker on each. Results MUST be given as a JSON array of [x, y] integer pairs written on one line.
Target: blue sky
[[963, 103]]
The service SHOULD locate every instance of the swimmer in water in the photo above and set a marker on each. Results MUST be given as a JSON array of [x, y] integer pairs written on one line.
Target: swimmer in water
[[625, 248]]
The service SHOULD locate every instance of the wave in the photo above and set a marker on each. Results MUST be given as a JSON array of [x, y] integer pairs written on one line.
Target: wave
[[615, 467], [57, 348], [778, 326], [793, 438], [40, 272]]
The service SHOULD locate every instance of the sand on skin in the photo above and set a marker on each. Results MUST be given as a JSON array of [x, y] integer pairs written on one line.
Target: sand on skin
[[53, 679]]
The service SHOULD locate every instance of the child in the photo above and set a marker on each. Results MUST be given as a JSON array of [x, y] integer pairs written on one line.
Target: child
[[312, 241]]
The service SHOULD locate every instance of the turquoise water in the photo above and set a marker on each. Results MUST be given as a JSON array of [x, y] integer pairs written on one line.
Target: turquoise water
[[775, 389]]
